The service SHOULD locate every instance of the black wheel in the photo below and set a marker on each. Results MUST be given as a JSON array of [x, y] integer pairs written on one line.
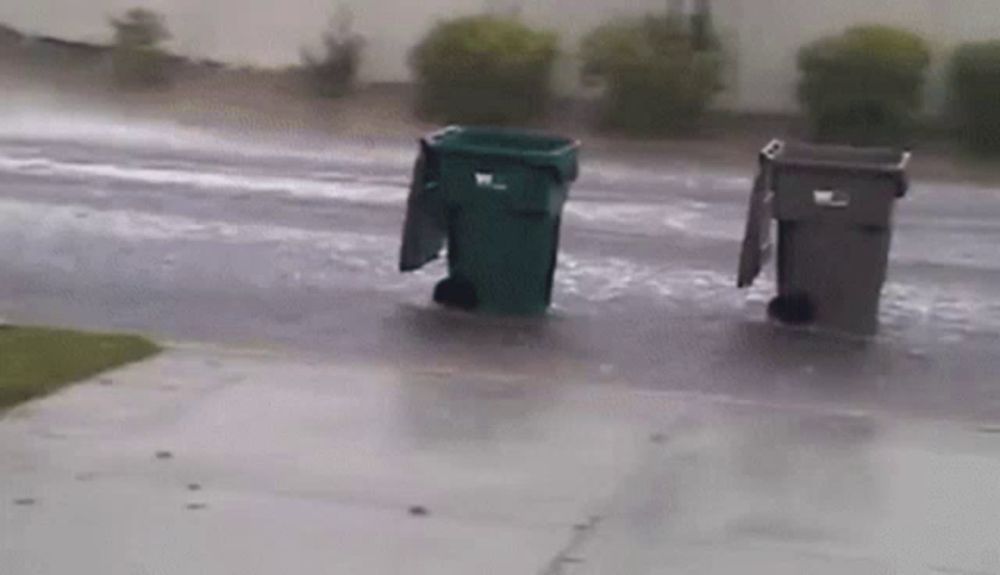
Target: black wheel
[[457, 293], [793, 309]]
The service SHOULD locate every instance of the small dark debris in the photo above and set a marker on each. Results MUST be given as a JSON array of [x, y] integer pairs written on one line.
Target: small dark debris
[[570, 560], [419, 511], [991, 430], [105, 381], [194, 487], [25, 501], [658, 437], [70, 44], [196, 506], [581, 527], [164, 455]]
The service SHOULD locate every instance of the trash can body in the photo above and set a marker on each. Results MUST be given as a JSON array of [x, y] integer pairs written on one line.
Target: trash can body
[[502, 194], [841, 271], [834, 207]]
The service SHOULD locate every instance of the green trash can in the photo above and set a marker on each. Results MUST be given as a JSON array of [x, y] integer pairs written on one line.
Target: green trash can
[[496, 197]]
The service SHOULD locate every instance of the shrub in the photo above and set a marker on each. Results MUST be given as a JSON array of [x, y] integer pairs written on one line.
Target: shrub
[[333, 72], [138, 59], [657, 80], [975, 92], [865, 86], [484, 69]]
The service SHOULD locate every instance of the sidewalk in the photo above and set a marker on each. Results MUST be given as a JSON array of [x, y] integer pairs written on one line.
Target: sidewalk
[[214, 461]]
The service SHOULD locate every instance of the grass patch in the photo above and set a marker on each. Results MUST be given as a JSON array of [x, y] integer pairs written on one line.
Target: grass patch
[[38, 361]]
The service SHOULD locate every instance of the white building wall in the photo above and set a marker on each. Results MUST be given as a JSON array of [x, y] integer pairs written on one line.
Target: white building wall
[[763, 36]]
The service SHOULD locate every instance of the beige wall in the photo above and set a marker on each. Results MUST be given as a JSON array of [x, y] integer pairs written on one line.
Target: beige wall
[[762, 35]]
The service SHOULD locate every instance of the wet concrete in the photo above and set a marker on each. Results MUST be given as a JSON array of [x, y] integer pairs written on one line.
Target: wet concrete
[[306, 466]]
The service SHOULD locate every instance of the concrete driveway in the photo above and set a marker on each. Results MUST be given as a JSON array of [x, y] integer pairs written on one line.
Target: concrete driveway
[[205, 461]]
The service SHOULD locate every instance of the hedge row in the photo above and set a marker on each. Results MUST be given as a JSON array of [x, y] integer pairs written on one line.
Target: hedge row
[[659, 74]]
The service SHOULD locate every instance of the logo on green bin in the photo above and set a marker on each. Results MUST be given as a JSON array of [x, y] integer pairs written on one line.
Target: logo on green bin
[[489, 181]]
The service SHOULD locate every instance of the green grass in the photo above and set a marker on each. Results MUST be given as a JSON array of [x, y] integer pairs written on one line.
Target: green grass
[[38, 361]]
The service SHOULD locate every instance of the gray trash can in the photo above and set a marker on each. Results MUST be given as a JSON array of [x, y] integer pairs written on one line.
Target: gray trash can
[[834, 208]]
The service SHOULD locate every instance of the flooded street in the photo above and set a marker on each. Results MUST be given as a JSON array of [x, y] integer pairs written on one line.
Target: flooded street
[[203, 237]]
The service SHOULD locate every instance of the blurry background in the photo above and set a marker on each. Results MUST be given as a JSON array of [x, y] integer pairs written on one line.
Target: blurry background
[[761, 37]]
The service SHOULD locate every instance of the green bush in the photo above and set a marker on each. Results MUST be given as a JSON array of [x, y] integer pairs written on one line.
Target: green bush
[[657, 79], [975, 92], [333, 71], [865, 86], [137, 57], [484, 69]]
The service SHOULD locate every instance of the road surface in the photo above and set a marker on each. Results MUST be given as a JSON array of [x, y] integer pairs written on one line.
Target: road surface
[[207, 237], [653, 422]]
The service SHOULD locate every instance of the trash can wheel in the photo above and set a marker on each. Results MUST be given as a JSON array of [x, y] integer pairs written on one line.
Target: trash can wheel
[[457, 293]]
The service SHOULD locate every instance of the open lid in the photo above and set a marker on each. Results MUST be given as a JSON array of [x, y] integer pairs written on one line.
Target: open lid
[[757, 246]]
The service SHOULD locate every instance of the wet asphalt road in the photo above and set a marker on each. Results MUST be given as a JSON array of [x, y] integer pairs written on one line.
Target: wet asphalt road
[[190, 237]]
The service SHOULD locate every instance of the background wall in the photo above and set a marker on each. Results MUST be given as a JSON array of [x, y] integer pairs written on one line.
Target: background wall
[[762, 36]]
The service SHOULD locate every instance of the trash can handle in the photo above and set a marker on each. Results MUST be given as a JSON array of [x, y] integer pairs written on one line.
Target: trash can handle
[[772, 150], [903, 182], [441, 134], [904, 161]]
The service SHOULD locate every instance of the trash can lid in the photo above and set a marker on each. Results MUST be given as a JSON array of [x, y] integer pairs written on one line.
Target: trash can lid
[[890, 162], [836, 157], [541, 150]]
